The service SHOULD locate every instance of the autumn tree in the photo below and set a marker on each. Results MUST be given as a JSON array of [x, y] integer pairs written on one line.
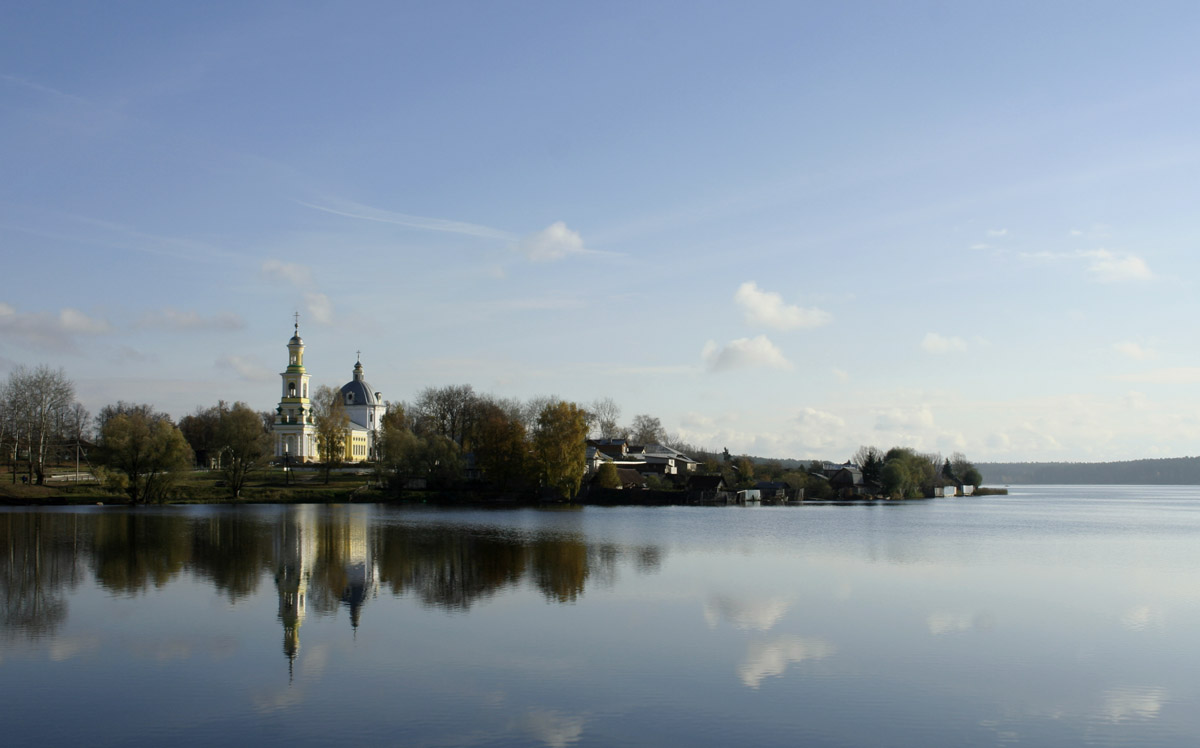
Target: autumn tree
[[560, 447], [145, 451], [332, 425], [500, 444], [244, 445]]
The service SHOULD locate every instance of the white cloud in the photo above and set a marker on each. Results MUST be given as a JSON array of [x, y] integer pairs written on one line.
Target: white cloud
[[245, 368], [935, 343], [819, 429], [772, 658], [904, 419], [73, 320], [554, 242], [176, 319], [319, 307], [980, 245], [297, 275], [49, 330], [744, 353], [767, 308], [1110, 267], [997, 232], [841, 375], [1174, 375], [1133, 350], [1103, 266]]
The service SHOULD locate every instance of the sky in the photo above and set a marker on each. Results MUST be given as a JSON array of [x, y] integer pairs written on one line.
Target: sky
[[788, 229]]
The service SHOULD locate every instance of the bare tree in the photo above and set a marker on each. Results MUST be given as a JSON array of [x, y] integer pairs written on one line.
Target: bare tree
[[606, 414], [646, 429], [39, 400], [446, 411]]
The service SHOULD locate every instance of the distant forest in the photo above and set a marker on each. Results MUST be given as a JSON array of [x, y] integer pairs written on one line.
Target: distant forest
[[1169, 471]]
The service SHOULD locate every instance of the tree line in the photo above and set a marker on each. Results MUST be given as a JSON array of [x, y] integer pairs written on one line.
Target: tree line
[[445, 433]]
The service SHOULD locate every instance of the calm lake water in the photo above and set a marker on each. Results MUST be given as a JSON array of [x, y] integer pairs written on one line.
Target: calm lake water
[[1056, 616]]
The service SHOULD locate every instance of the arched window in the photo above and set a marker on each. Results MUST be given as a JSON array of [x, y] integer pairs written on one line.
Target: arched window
[[291, 389]]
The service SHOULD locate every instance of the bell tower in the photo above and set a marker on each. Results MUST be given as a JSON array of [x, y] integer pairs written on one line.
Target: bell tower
[[295, 432]]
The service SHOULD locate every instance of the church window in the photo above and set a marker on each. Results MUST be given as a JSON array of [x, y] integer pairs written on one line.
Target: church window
[[291, 389]]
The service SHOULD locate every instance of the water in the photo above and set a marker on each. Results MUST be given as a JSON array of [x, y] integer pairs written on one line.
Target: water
[[1056, 616]]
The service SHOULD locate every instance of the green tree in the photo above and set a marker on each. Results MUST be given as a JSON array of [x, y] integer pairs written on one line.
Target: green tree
[[332, 425], [607, 476], [560, 447], [870, 460], [244, 444], [146, 451], [964, 470]]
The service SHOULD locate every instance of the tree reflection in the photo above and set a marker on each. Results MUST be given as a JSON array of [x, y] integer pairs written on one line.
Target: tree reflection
[[135, 549], [38, 562], [322, 558], [447, 567]]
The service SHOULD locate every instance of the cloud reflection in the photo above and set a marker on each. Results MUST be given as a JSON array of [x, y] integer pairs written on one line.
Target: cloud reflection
[[1122, 704], [551, 727], [753, 615], [766, 659]]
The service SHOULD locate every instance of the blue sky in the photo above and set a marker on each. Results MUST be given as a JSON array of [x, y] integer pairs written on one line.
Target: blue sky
[[788, 229]]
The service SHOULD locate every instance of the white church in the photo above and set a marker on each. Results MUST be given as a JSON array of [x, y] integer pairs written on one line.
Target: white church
[[295, 427]]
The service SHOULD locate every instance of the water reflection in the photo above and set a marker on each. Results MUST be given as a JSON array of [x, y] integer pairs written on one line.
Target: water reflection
[[322, 560]]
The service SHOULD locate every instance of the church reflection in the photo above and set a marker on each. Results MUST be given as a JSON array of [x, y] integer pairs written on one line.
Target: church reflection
[[323, 559]]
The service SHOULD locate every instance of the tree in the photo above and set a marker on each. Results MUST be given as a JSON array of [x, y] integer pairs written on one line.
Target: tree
[[964, 470], [200, 430], [332, 425], [646, 429], [445, 411], [607, 476], [560, 447], [606, 414], [500, 445], [244, 444], [870, 460], [37, 405], [147, 453]]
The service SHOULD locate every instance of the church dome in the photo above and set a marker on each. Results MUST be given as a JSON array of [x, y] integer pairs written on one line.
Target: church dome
[[357, 391]]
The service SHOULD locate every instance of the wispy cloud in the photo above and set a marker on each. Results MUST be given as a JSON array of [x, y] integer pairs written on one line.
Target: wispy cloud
[[935, 343], [766, 308], [176, 319], [289, 272], [744, 353], [317, 305], [1133, 350], [997, 232], [1174, 375], [350, 209], [245, 368], [47, 329], [1102, 265]]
